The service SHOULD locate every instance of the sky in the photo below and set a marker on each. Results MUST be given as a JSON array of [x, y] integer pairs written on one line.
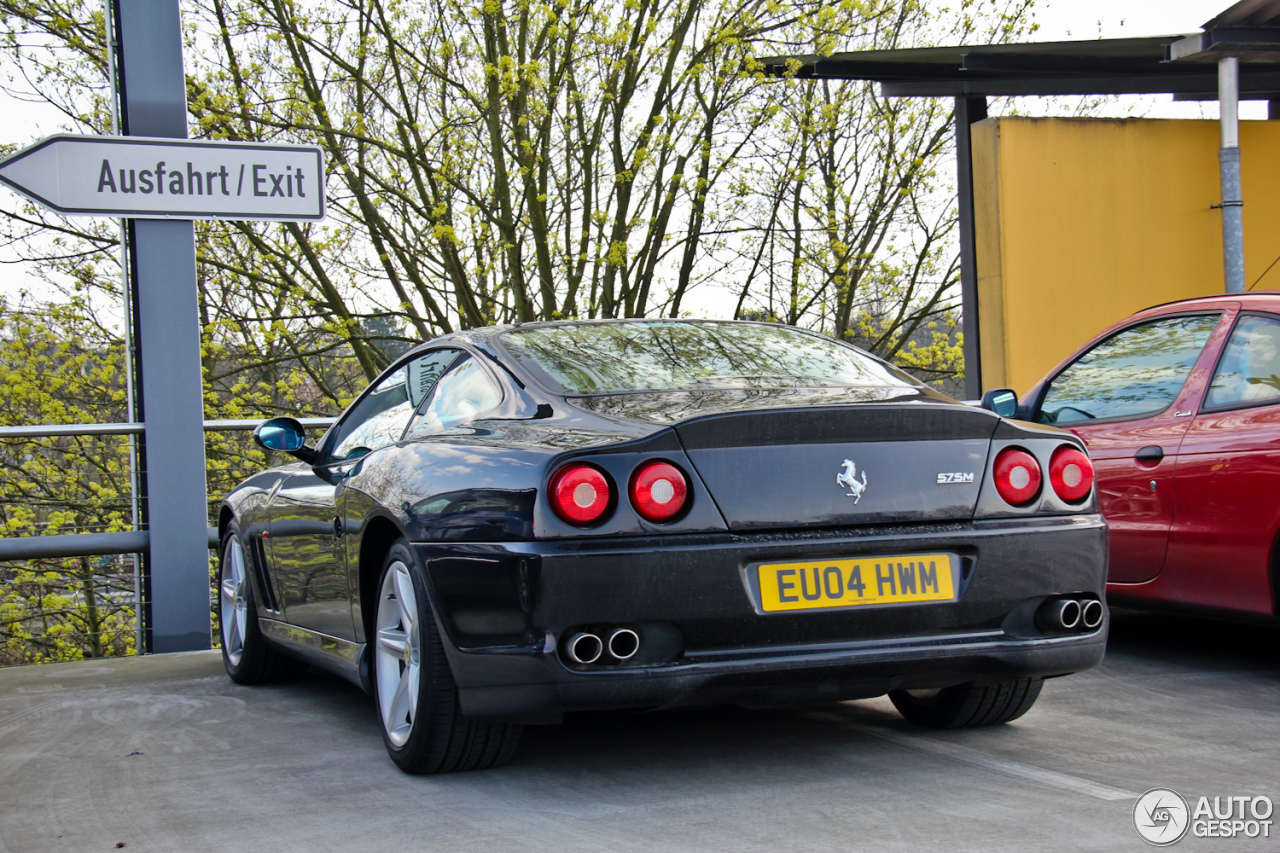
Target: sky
[[1087, 19]]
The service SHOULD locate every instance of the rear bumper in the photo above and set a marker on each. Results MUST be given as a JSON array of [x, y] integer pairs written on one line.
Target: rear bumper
[[799, 676], [505, 610]]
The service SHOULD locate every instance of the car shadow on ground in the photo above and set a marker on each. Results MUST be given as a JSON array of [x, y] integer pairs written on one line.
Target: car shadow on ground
[[1194, 640], [737, 739]]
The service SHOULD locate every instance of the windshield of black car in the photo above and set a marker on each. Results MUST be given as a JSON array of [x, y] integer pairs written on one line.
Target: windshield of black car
[[611, 358]]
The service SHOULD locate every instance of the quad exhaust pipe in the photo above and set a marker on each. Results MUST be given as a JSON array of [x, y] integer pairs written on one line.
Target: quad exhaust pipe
[[623, 644], [1091, 613], [1069, 614], [587, 647], [1063, 613]]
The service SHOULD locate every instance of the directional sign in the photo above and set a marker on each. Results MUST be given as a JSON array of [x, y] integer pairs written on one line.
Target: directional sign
[[145, 178]]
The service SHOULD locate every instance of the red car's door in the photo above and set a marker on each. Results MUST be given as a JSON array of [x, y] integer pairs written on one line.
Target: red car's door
[[1126, 395], [1227, 490], [1134, 465]]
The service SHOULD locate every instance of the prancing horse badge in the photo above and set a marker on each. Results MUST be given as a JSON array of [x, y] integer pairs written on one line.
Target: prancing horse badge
[[847, 478]]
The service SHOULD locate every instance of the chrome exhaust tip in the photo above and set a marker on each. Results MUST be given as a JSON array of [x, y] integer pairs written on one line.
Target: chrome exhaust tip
[[624, 643], [1059, 614], [584, 648], [1091, 613], [1067, 613]]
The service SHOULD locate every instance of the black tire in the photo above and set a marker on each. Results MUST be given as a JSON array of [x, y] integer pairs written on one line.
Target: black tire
[[428, 733], [255, 661], [968, 705]]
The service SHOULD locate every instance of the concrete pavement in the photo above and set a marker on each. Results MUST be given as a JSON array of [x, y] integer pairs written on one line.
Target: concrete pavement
[[166, 754]]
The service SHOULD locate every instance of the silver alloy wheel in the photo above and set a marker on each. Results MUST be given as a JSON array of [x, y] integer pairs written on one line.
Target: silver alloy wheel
[[399, 654], [232, 613]]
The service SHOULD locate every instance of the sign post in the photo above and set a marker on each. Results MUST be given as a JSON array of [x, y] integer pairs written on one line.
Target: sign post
[[161, 181], [167, 335]]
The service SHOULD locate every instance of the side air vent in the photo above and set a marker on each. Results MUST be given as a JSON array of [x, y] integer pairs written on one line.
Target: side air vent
[[259, 556]]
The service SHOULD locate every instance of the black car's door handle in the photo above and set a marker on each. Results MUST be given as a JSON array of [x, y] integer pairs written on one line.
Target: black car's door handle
[[337, 526], [1151, 453]]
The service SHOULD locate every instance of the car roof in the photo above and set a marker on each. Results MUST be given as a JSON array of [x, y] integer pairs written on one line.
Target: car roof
[[1262, 296]]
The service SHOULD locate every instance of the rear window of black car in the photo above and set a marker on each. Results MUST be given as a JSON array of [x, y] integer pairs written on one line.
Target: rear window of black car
[[611, 358]]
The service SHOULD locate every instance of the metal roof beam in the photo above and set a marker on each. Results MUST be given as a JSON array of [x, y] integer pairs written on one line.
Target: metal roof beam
[[1247, 13], [1256, 44], [856, 70], [1169, 82], [1245, 95], [1035, 63]]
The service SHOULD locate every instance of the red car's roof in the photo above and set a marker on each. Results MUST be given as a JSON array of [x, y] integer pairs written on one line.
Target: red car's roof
[[1264, 296]]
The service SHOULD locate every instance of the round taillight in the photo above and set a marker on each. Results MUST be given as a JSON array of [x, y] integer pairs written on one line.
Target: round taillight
[[1071, 474], [659, 491], [579, 494], [1017, 475]]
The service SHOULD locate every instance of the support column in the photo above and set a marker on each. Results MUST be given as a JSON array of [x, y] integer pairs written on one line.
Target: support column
[[968, 111], [167, 334], [1229, 166]]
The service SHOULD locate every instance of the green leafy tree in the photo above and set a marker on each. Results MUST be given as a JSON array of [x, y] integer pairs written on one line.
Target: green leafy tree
[[59, 366], [501, 161], [488, 161]]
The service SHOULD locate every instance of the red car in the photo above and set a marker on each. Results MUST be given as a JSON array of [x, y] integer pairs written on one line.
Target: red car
[[1180, 407]]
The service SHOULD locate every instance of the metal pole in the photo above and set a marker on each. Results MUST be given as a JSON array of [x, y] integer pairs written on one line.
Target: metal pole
[[968, 110], [1229, 164], [139, 637], [162, 259]]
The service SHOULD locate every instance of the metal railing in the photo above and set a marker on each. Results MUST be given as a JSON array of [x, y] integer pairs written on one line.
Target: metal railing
[[88, 544]]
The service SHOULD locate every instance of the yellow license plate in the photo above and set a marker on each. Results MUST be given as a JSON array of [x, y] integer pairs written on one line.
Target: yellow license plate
[[820, 584]]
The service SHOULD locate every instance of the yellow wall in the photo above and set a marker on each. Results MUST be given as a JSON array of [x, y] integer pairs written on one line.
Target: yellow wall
[[1081, 222]]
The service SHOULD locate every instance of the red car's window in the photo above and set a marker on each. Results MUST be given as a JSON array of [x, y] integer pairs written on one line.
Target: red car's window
[[1248, 373], [1135, 372]]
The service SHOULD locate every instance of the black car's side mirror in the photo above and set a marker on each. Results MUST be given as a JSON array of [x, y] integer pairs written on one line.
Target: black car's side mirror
[[1002, 401], [285, 435]]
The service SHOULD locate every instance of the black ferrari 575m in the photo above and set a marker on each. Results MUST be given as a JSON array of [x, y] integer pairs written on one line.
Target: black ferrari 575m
[[516, 522]]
